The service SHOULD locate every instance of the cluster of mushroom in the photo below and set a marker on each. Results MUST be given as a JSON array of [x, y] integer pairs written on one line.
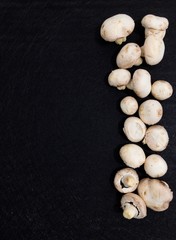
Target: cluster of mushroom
[[151, 192]]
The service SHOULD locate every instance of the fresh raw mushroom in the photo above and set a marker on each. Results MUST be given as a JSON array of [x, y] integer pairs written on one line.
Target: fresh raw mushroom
[[129, 105], [126, 180], [140, 83], [162, 90], [156, 138], [133, 206], [156, 194], [117, 28], [129, 56], [119, 78], [155, 166]]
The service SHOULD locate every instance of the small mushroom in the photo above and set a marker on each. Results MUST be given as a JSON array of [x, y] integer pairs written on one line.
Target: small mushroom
[[156, 194], [155, 166], [150, 111], [119, 78], [156, 138], [162, 90], [126, 180], [129, 55], [134, 129], [117, 28], [133, 206], [132, 155], [140, 83], [129, 105], [153, 50]]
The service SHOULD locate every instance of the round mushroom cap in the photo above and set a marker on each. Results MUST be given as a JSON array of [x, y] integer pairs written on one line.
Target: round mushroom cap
[[119, 78], [153, 50], [134, 129], [150, 111], [137, 202], [155, 166], [128, 56], [117, 26], [126, 180], [132, 155], [156, 194], [129, 105], [156, 138], [162, 90], [155, 22], [156, 33]]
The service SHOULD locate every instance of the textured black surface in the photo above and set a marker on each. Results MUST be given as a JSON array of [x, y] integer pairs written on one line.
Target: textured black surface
[[60, 128]]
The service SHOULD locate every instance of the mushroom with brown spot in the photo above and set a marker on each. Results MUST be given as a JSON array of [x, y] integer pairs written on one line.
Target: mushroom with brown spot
[[129, 105], [119, 78], [162, 90]]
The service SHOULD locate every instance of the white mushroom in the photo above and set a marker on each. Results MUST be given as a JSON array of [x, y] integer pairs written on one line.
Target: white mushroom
[[156, 194], [126, 180], [153, 50], [156, 138], [119, 78], [150, 111], [140, 83], [129, 55], [134, 129], [133, 206], [162, 90], [132, 155], [117, 28], [129, 105], [155, 166]]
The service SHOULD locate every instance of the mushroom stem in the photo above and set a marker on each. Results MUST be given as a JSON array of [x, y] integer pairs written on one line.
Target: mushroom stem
[[138, 62], [130, 211], [128, 181], [120, 40]]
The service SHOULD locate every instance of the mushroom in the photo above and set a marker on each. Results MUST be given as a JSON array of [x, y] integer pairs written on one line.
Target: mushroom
[[156, 138], [126, 180], [134, 129], [150, 111], [129, 105], [155, 25], [162, 90], [155, 166], [119, 78], [133, 206], [153, 50], [132, 155], [156, 194], [140, 83], [117, 28], [129, 55]]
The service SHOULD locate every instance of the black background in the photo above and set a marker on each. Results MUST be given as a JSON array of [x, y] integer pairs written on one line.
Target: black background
[[61, 125]]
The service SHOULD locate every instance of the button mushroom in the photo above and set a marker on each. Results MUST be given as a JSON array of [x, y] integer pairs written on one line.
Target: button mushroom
[[117, 28], [129, 105], [133, 206], [156, 138], [162, 90], [140, 83], [129, 55], [134, 129], [150, 111], [156, 194], [119, 78], [132, 155], [126, 180], [155, 166]]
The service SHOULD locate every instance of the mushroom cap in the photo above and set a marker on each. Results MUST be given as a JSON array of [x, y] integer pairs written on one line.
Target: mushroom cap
[[156, 194], [153, 50], [155, 166], [136, 201], [132, 155], [122, 174], [156, 33], [128, 55], [141, 83], [150, 111], [156, 138], [117, 26], [162, 90], [129, 105], [134, 129], [155, 22], [119, 78]]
